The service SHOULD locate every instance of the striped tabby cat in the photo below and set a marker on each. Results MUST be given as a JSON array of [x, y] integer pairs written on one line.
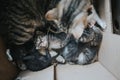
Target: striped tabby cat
[[24, 16]]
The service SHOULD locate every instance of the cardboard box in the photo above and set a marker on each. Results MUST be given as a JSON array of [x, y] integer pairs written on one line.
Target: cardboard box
[[108, 66], [8, 71]]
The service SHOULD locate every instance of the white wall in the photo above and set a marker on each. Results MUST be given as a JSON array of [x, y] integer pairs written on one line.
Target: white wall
[[109, 55]]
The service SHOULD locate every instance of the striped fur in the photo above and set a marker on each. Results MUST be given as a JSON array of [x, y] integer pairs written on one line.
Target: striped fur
[[24, 16], [83, 52], [70, 16], [23, 20], [67, 10], [73, 16]]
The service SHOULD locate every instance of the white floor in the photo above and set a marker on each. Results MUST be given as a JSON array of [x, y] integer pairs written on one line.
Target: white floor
[[93, 71], [46, 74]]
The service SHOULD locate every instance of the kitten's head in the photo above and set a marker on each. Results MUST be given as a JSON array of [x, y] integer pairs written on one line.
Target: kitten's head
[[71, 13], [65, 14]]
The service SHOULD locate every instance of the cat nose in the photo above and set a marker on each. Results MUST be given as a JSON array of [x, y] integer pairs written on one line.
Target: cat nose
[[49, 17]]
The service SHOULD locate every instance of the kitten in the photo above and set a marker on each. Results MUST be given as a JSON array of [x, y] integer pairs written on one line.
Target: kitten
[[52, 40], [73, 16], [70, 13], [83, 52], [22, 18], [27, 57], [89, 46]]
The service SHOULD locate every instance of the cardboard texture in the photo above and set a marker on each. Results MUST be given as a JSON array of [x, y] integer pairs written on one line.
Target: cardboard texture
[[7, 70]]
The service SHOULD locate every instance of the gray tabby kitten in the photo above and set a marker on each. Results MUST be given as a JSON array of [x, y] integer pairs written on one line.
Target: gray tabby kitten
[[84, 51], [73, 16], [24, 17]]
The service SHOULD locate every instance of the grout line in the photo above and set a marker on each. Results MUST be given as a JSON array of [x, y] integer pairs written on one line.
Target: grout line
[[55, 71]]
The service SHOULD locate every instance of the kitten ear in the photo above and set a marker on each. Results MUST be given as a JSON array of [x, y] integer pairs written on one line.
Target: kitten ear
[[51, 15], [89, 10]]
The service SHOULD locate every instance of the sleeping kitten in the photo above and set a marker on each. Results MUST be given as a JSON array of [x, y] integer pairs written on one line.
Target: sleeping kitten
[[73, 16], [70, 14], [71, 51], [21, 18], [52, 40], [89, 46], [83, 52], [27, 57]]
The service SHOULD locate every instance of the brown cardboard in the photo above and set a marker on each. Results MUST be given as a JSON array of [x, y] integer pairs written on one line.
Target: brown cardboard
[[7, 70], [108, 66]]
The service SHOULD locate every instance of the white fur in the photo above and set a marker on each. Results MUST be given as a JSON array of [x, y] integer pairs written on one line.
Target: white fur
[[40, 44], [81, 7], [8, 55], [23, 78], [66, 4], [54, 43], [53, 53], [94, 17], [81, 58], [65, 52], [78, 26], [60, 59], [60, 9]]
